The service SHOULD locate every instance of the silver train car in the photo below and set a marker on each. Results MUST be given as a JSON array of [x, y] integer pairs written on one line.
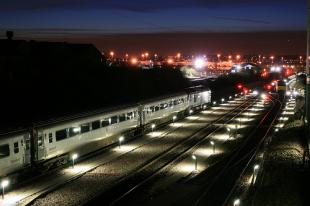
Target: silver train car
[[52, 142]]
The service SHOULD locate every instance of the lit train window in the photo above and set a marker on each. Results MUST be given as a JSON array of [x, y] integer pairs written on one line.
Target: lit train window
[[85, 128], [105, 122], [122, 118], [156, 108], [130, 115], [152, 108], [163, 106], [16, 148], [4, 151], [74, 131], [40, 141], [95, 125], [61, 135], [114, 119]]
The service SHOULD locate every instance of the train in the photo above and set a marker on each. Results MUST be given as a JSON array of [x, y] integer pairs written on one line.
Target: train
[[51, 143]]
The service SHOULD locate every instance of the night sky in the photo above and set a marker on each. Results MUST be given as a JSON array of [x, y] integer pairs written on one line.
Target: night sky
[[271, 26]]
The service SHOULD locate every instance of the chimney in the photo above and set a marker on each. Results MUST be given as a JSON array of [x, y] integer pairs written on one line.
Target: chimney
[[9, 35]]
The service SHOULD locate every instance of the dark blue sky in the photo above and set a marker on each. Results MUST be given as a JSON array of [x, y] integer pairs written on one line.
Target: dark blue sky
[[72, 18]]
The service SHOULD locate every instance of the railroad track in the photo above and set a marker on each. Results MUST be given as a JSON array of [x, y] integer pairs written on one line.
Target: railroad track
[[49, 190], [136, 180], [224, 175]]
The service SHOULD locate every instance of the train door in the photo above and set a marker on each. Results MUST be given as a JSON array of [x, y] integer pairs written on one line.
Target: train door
[[141, 115], [26, 145], [41, 147]]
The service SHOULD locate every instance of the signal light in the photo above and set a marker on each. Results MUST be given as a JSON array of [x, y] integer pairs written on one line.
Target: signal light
[[245, 90], [239, 86]]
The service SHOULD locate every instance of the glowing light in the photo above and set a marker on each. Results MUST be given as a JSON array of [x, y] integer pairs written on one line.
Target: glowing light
[[255, 92], [4, 183], [237, 202], [111, 53], [174, 118], [134, 60], [199, 63], [263, 96], [170, 61], [76, 129], [256, 167], [74, 156]]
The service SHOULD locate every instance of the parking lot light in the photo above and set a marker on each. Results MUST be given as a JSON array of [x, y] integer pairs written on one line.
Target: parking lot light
[[74, 157], [4, 184]]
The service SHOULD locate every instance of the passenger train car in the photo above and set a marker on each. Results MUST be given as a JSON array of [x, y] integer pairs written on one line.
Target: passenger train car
[[52, 142]]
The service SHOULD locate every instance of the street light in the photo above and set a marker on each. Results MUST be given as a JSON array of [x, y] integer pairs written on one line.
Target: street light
[[222, 100], [195, 159], [153, 127], [112, 54], [191, 111], [174, 118], [120, 140], [230, 97], [213, 145], [74, 157], [214, 103], [4, 184], [255, 171], [236, 202]]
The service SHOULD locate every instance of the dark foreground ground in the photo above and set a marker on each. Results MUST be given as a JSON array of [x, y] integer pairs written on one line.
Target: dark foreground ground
[[285, 180]]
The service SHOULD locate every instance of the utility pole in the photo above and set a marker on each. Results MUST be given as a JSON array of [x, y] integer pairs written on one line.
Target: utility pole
[[307, 89]]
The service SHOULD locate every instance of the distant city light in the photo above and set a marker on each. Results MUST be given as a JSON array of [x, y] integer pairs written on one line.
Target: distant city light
[[134, 60], [170, 61], [199, 63]]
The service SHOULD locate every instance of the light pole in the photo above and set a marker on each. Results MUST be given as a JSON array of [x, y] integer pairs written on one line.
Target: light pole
[[236, 202], [120, 140], [4, 184], [213, 145], [190, 111], [74, 157], [174, 118], [195, 160], [255, 171], [307, 90], [153, 127]]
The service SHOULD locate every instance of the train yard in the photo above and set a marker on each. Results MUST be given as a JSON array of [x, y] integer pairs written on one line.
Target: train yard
[[185, 162]]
